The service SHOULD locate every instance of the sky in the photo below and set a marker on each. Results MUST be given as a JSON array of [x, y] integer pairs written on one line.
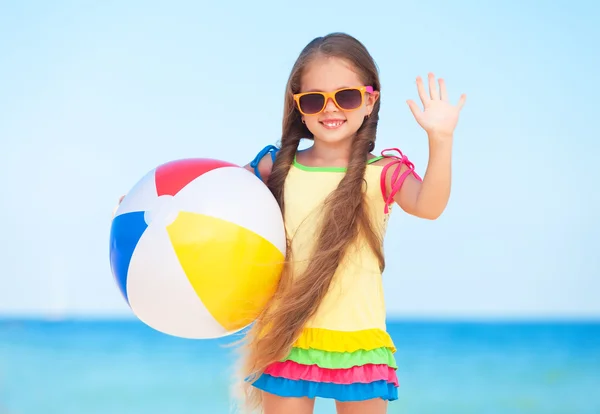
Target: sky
[[95, 94]]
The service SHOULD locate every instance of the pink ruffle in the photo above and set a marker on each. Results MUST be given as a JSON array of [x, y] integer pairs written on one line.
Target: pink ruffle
[[357, 374]]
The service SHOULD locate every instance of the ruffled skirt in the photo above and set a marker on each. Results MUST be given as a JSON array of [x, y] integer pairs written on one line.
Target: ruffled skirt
[[344, 366]]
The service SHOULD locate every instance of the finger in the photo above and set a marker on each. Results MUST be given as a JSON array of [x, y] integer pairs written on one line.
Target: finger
[[421, 90], [443, 91], [414, 108], [461, 101], [433, 92]]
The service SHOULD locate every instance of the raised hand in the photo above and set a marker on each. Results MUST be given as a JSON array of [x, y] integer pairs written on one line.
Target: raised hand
[[438, 117]]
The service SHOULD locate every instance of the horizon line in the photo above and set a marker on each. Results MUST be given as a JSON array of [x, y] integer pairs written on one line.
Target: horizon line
[[424, 319]]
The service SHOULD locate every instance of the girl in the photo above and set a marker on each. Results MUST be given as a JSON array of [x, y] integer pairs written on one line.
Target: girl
[[324, 333]]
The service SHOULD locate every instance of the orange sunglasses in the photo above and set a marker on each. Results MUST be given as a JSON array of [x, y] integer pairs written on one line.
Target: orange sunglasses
[[346, 99]]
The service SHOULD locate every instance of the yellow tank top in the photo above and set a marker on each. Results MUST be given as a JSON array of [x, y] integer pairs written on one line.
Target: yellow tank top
[[355, 300], [352, 315]]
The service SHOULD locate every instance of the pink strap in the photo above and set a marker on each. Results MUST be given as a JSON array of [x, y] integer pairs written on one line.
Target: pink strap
[[396, 181]]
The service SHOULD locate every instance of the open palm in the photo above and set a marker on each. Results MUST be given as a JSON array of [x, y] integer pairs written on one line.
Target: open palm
[[438, 116]]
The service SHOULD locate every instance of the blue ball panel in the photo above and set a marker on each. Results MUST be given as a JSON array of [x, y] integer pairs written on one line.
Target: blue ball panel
[[125, 234]]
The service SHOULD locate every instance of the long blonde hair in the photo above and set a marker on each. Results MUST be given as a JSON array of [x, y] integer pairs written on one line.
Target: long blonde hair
[[272, 335]]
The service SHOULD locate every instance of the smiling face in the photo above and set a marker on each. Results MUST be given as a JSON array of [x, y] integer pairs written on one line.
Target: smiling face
[[334, 125]]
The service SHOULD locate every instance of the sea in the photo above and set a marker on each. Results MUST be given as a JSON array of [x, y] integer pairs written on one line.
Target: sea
[[123, 366]]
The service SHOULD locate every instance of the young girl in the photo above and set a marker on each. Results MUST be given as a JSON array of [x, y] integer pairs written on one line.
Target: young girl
[[324, 332]]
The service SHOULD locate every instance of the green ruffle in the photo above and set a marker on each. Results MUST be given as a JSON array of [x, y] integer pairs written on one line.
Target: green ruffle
[[342, 360]]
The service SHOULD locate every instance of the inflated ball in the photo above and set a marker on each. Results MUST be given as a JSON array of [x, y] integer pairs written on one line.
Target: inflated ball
[[197, 247]]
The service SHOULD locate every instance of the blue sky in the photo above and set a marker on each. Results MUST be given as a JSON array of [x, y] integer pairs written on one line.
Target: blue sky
[[95, 94]]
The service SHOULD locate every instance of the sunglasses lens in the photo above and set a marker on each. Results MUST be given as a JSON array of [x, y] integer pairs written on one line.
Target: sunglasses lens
[[349, 98], [312, 103]]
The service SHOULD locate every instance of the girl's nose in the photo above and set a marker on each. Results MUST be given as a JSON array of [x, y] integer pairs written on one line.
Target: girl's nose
[[330, 106]]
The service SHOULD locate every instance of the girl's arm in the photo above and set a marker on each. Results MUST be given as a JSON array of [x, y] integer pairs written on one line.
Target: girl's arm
[[427, 198]]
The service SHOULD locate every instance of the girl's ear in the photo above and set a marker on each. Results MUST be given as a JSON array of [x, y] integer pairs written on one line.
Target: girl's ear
[[371, 99]]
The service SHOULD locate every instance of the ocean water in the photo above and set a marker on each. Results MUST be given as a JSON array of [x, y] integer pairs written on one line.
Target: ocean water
[[444, 368]]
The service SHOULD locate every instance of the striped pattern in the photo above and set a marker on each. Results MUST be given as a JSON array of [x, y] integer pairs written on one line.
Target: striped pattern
[[345, 366]]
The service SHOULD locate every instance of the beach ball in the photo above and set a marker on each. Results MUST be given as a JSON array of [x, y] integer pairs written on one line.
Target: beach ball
[[197, 247]]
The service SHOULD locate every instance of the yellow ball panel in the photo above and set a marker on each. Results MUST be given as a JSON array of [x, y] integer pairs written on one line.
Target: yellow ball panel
[[234, 271]]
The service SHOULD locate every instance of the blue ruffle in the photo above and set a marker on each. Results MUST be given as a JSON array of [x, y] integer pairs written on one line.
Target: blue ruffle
[[341, 392]]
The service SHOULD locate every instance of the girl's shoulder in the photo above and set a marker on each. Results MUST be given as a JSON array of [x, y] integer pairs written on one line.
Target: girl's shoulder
[[395, 168], [262, 164], [386, 157], [390, 157]]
